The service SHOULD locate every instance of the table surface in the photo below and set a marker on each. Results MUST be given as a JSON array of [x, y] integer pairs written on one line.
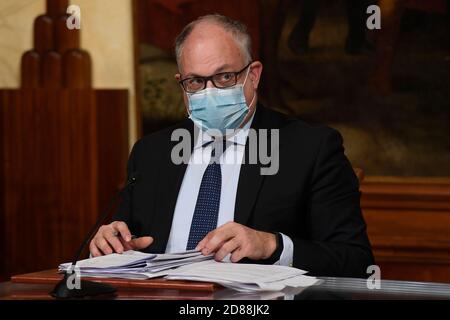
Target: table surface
[[330, 288]]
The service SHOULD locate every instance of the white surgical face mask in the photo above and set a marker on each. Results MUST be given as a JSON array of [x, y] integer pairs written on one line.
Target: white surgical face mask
[[219, 109]]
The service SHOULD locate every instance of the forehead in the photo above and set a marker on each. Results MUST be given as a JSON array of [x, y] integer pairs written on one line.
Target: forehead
[[208, 48]]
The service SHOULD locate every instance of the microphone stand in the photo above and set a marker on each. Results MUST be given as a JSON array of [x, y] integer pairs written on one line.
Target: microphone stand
[[89, 288]]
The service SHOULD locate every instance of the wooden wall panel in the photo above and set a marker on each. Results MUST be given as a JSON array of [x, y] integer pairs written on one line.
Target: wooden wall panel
[[61, 154], [408, 223], [112, 124]]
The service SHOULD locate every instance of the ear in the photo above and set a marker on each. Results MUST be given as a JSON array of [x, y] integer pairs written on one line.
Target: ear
[[178, 79], [255, 73], [186, 103]]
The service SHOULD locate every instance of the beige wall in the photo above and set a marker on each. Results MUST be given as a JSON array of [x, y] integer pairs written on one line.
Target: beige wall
[[106, 33], [16, 25]]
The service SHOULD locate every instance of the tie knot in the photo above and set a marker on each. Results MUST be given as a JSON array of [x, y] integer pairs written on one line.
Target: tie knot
[[218, 148]]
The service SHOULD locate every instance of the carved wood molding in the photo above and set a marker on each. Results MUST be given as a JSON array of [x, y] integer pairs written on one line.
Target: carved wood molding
[[430, 194], [56, 60]]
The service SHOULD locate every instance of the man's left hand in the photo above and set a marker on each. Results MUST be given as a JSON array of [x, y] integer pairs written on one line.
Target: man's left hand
[[239, 241]]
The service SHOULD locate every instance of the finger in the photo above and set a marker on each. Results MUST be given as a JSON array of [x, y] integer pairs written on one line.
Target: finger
[[122, 228], [115, 243], [237, 255], [226, 249], [201, 245], [219, 237], [103, 246], [93, 250], [141, 243], [126, 245]]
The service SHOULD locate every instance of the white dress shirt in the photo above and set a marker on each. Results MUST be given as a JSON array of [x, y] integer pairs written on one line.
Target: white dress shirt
[[230, 161]]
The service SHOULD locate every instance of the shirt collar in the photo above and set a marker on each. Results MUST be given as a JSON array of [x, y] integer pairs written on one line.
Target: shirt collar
[[239, 138]]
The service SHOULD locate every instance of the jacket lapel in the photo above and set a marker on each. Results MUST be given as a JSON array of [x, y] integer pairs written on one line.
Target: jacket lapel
[[250, 179], [169, 182]]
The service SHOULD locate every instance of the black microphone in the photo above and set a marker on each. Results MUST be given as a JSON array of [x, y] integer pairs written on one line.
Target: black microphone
[[90, 288]]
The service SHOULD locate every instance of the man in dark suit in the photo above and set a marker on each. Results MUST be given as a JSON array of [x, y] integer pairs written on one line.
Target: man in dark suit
[[306, 213]]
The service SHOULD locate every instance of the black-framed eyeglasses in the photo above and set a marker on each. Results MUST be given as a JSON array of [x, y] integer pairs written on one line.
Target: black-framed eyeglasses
[[221, 80]]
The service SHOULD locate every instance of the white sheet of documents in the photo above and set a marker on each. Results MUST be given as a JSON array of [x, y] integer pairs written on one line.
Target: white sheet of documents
[[135, 264], [244, 277], [114, 260], [245, 273]]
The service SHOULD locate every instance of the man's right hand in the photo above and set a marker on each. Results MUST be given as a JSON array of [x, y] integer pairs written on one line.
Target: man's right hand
[[116, 237]]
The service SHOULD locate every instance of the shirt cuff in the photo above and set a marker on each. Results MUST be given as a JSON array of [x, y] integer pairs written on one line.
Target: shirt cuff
[[287, 255]]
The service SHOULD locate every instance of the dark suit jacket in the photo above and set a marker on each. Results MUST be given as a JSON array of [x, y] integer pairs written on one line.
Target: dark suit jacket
[[313, 199]]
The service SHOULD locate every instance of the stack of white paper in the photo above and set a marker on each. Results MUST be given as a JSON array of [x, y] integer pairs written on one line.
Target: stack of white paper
[[192, 265], [134, 264], [245, 277]]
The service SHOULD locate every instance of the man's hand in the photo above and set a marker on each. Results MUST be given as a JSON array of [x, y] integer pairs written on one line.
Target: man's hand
[[116, 237], [240, 241]]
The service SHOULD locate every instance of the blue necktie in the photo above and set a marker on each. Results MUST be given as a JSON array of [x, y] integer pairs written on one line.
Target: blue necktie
[[208, 202]]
